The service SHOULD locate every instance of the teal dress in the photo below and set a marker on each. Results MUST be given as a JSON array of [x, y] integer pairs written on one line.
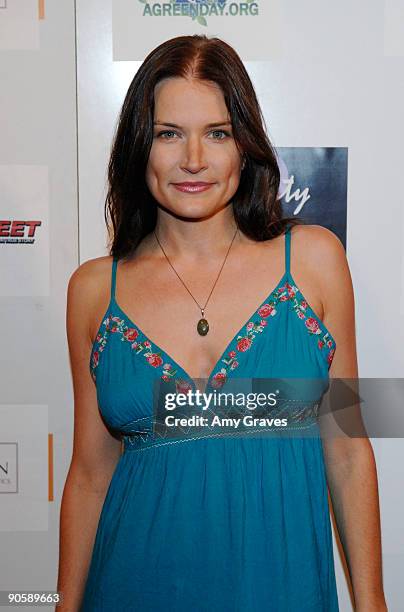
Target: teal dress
[[214, 523]]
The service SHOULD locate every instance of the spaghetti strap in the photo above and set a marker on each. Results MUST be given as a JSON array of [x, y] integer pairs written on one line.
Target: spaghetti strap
[[287, 249], [113, 278]]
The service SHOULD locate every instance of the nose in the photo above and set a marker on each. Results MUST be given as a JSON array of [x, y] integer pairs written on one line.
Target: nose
[[194, 155]]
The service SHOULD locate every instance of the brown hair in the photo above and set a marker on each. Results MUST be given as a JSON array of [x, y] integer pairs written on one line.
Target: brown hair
[[129, 203]]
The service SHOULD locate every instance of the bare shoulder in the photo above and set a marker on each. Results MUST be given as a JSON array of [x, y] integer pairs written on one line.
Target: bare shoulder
[[322, 252], [91, 272], [317, 242], [88, 292]]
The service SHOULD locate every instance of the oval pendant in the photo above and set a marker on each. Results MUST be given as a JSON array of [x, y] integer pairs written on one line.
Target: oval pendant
[[202, 327]]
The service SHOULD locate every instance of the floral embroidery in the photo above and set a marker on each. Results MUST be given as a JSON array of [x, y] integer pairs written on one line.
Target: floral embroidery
[[243, 341], [100, 342], [116, 325], [300, 306]]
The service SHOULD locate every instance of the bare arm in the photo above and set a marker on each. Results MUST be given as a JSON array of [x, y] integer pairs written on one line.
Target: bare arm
[[95, 450], [350, 464]]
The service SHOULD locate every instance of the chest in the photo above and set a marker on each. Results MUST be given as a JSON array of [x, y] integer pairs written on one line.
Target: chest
[[169, 320]]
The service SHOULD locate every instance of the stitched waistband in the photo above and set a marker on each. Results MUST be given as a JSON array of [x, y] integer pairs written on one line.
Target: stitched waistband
[[307, 427]]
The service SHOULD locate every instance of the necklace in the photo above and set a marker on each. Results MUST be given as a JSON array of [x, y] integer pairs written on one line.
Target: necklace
[[203, 325]]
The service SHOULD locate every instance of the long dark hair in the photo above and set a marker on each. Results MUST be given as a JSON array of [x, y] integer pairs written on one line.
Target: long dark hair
[[129, 204]]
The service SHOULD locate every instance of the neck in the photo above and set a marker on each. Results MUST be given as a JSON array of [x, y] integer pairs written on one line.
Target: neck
[[194, 240]]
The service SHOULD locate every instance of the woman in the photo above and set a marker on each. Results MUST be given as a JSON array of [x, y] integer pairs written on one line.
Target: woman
[[206, 281]]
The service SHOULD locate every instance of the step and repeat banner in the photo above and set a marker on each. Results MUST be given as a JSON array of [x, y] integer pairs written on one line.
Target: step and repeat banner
[[38, 252], [327, 78]]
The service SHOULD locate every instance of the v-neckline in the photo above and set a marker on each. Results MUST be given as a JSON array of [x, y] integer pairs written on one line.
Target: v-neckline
[[158, 349]]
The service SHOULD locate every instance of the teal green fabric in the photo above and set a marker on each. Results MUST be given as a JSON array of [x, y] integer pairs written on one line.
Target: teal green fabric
[[221, 523]]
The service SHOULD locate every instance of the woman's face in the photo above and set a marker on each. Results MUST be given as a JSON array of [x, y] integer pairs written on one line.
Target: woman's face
[[191, 150]]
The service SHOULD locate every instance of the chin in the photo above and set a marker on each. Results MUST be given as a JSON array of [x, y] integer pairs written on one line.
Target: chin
[[193, 209]]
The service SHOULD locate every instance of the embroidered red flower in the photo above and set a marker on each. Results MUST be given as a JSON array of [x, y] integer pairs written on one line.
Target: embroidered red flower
[[243, 344], [266, 310], [320, 344], [130, 334], [232, 354], [330, 356], [154, 359], [96, 357], [312, 325], [219, 379], [290, 290]]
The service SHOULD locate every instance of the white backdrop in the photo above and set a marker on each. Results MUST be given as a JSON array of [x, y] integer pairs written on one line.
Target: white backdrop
[[38, 182], [334, 80]]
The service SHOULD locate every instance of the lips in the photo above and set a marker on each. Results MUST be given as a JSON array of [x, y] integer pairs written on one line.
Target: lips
[[192, 184], [192, 187]]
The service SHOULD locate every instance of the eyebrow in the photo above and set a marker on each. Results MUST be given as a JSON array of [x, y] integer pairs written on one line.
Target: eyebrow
[[209, 125]]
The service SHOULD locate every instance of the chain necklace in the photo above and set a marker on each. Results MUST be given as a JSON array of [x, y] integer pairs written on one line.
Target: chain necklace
[[203, 325]]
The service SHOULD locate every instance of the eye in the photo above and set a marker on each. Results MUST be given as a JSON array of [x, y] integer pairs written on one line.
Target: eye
[[161, 134], [220, 132]]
